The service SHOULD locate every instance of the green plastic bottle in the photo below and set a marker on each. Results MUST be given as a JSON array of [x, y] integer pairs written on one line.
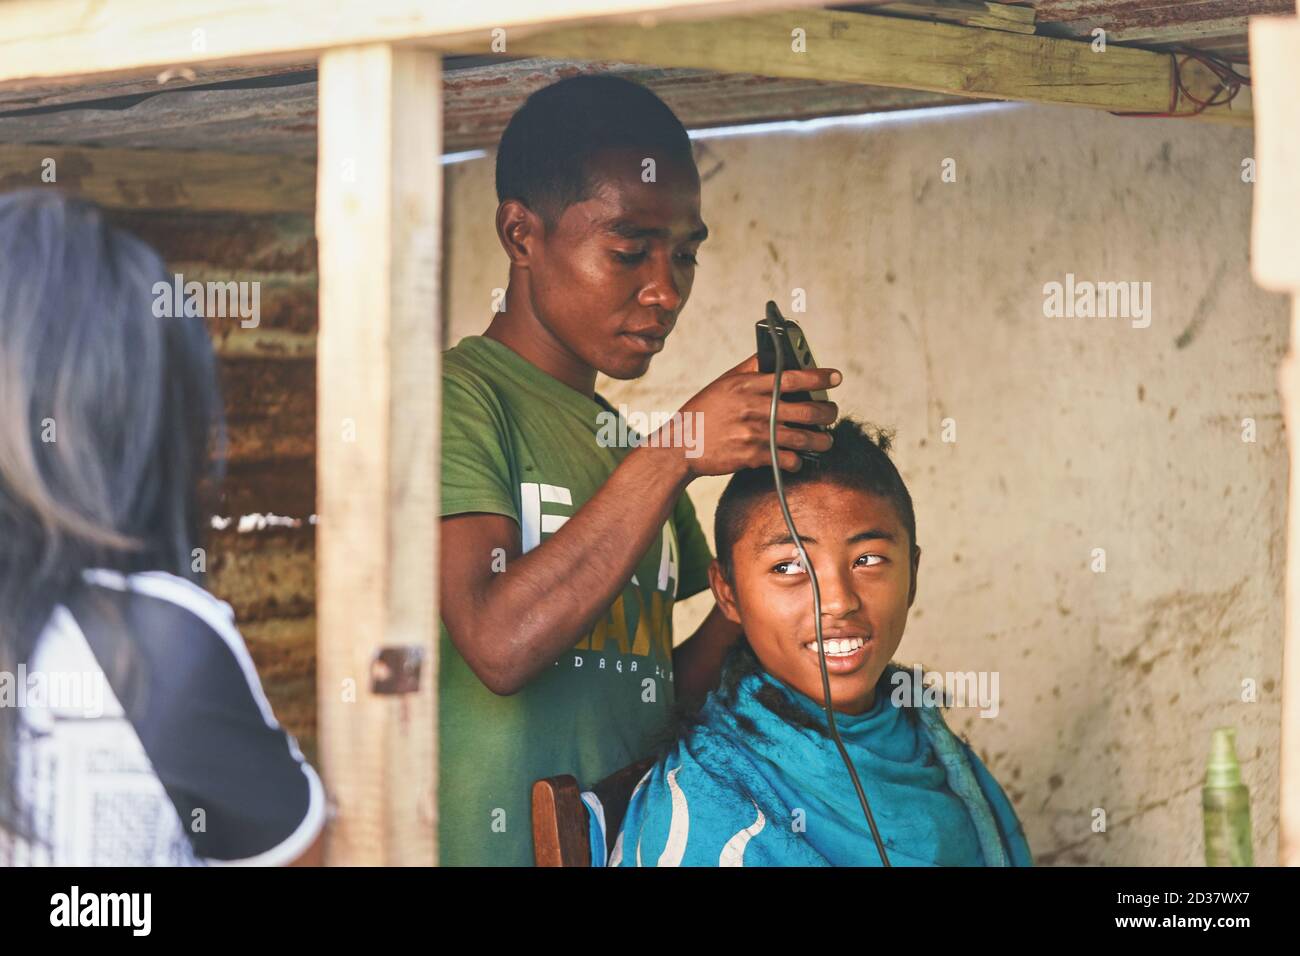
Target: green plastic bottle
[[1226, 803]]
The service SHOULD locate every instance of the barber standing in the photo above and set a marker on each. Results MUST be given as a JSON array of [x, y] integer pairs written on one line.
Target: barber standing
[[562, 553]]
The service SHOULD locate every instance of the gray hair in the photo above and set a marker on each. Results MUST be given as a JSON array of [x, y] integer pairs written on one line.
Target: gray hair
[[109, 420]]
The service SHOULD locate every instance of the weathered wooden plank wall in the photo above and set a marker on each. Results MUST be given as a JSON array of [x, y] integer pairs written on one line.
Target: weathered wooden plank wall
[[269, 383]]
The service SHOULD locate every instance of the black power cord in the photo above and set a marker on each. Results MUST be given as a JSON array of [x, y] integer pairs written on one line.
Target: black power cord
[[817, 595]]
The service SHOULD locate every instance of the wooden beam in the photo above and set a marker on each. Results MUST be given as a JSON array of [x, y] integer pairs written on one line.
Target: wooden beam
[[477, 101], [31, 95], [893, 51], [164, 179], [995, 16], [1275, 262], [378, 372], [1275, 240], [44, 40], [227, 120]]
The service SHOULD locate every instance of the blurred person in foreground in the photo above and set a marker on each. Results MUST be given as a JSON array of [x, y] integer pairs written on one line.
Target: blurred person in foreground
[[133, 727]]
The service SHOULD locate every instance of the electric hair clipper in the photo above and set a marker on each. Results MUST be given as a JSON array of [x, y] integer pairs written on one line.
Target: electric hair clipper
[[795, 354]]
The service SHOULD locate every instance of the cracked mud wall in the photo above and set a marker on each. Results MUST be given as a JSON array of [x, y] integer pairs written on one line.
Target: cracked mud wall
[[1072, 434]]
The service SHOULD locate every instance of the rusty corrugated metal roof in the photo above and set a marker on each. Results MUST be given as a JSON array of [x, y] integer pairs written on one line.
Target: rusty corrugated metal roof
[[1215, 25]]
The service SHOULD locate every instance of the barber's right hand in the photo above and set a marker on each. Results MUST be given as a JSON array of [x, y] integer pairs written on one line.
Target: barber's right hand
[[734, 412]]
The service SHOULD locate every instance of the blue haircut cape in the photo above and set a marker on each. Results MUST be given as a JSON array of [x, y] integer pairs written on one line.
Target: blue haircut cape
[[748, 787]]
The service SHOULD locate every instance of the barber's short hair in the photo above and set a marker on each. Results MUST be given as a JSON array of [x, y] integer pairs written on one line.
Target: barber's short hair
[[544, 152], [857, 460]]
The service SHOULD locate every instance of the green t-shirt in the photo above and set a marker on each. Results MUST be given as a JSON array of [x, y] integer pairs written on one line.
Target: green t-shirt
[[517, 442]]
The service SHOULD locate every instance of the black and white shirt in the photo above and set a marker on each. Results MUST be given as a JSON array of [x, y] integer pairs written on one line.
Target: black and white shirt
[[146, 739]]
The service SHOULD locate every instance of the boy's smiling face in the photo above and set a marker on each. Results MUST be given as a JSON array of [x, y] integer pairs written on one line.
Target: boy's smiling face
[[866, 571], [608, 282]]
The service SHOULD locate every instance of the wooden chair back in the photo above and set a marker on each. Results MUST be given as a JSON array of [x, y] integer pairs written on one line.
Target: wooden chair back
[[560, 828]]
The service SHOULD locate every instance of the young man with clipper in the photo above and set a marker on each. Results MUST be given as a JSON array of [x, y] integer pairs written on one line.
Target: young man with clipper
[[562, 556]]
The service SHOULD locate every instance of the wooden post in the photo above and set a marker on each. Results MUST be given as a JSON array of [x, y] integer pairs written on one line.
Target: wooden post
[[1288, 848], [378, 208], [1275, 261]]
